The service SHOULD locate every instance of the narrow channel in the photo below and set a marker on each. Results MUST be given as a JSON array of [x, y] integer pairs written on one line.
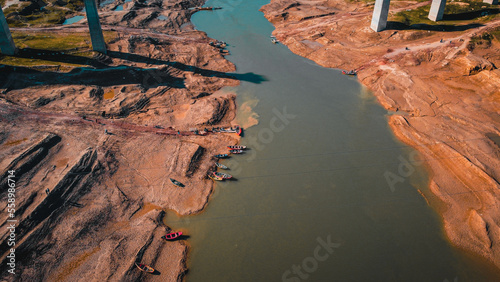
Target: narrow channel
[[318, 172]]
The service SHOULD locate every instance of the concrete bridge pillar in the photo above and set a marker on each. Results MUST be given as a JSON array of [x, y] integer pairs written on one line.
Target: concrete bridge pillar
[[492, 2], [6, 43], [437, 10], [380, 12], [98, 43]]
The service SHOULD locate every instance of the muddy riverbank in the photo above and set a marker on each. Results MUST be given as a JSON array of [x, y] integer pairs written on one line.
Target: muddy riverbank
[[92, 141]]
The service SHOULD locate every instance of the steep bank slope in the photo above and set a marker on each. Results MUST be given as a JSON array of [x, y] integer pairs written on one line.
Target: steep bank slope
[[442, 87]]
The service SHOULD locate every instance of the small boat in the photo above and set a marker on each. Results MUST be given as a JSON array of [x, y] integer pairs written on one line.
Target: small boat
[[177, 183], [215, 177], [351, 72], [275, 41], [236, 151], [172, 236], [221, 156], [145, 268], [221, 166], [238, 130], [222, 175], [218, 44], [237, 147]]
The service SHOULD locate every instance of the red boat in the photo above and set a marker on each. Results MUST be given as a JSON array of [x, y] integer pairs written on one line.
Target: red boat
[[172, 236], [145, 268]]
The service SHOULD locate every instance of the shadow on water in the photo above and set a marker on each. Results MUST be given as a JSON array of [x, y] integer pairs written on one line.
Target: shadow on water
[[391, 25]]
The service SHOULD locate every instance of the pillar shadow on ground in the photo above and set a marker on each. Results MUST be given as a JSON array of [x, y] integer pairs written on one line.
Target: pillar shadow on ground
[[391, 25], [59, 56], [470, 15], [249, 77], [21, 77]]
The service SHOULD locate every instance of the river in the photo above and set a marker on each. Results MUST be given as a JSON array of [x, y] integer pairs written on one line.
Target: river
[[326, 192]]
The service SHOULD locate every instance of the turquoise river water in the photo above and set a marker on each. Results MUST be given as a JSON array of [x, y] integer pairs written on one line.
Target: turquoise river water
[[312, 200]]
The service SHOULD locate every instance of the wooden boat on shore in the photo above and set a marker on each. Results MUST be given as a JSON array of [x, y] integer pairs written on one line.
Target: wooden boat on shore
[[223, 175], [172, 236], [221, 156], [237, 129], [209, 8], [236, 151], [240, 147], [221, 166], [215, 177], [218, 44], [145, 268], [175, 182], [351, 72]]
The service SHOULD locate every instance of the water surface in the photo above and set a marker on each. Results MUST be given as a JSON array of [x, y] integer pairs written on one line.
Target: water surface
[[317, 173], [73, 20]]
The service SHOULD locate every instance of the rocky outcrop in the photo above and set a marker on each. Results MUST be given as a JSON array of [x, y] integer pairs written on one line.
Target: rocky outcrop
[[28, 160], [194, 163], [33, 227], [208, 111], [472, 64]]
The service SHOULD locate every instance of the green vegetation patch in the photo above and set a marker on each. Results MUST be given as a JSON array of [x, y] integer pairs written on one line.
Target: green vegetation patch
[[496, 34], [484, 39], [54, 49], [413, 16], [51, 41], [27, 14], [455, 13], [459, 7]]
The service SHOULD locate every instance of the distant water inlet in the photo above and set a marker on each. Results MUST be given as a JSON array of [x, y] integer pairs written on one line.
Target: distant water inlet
[[73, 20], [312, 200]]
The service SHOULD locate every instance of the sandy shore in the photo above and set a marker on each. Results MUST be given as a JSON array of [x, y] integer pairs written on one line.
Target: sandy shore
[[94, 147], [442, 89]]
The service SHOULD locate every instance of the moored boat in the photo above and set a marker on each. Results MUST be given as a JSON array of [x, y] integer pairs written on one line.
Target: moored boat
[[215, 177], [236, 151], [223, 175], [221, 166], [177, 182], [239, 147], [172, 236], [145, 268], [218, 44], [237, 129], [351, 72], [221, 156]]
